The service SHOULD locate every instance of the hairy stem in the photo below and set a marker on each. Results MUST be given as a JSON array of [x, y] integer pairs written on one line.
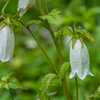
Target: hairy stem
[[76, 88]]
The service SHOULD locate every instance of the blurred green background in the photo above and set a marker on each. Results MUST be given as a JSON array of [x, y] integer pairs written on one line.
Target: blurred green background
[[30, 64]]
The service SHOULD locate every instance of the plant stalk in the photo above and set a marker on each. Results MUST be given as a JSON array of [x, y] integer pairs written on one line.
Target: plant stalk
[[76, 88], [43, 51], [43, 6], [40, 46], [58, 50], [11, 94]]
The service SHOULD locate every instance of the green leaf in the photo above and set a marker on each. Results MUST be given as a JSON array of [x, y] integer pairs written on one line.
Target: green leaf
[[16, 25], [44, 85], [67, 31], [51, 94], [87, 35], [38, 22], [63, 69], [6, 79], [14, 84], [1, 85], [99, 89], [53, 17]]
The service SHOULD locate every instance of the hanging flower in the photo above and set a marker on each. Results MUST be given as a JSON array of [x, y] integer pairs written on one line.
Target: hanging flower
[[24, 5], [79, 60], [6, 44]]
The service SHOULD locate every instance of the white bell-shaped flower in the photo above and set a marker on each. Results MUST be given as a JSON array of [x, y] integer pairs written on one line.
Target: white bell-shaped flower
[[6, 44], [24, 5], [79, 60]]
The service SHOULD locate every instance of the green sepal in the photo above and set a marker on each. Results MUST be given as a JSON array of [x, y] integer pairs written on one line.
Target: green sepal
[[86, 35], [16, 16], [73, 43], [63, 69], [53, 17], [81, 39], [38, 22]]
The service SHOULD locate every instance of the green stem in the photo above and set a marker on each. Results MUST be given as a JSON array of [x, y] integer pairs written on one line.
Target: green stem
[[59, 53], [40, 46], [43, 50], [11, 94], [39, 6], [46, 6], [76, 88], [43, 6]]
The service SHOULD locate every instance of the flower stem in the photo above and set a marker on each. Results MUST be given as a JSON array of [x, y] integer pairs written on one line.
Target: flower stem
[[43, 6], [58, 50], [40, 46], [46, 6], [43, 50], [11, 94], [76, 88], [39, 6]]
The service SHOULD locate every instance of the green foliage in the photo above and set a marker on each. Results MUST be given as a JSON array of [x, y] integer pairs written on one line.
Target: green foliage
[[63, 69], [10, 83], [38, 22], [45, 82], [67, 31], [53, 17], [95, 96]]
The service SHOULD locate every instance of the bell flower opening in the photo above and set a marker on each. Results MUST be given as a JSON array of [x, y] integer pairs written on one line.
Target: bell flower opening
[[6, 44], [24, 5], [79, 60]]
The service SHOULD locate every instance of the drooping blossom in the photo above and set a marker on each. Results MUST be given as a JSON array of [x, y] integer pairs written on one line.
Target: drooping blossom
[[6, 44], [79, 60], [24, 5]]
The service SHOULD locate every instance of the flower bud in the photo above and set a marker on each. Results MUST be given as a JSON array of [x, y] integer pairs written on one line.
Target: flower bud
[[6, 44], [24, 5], [79, 60]]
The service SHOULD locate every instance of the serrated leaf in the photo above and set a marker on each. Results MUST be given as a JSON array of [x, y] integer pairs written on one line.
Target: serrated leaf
[[63, 69], [53, 17], [14, 84], [38, 22], [67, 31], [45, 84]]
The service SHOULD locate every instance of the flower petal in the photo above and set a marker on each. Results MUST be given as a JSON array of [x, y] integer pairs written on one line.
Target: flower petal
[[24, 5], [6, 44], [79, 60]]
